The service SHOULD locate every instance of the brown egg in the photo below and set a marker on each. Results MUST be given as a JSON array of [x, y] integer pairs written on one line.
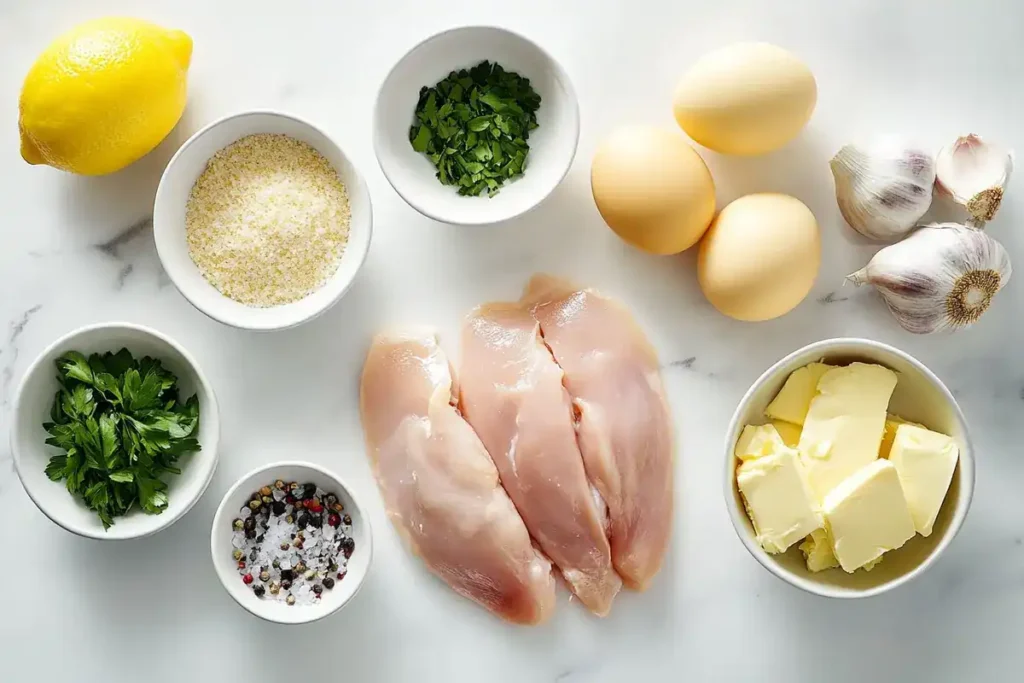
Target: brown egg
[[760, 257], [652, 189]]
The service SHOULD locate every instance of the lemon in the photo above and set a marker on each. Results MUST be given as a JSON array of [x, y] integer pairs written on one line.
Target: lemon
[[103, 95]]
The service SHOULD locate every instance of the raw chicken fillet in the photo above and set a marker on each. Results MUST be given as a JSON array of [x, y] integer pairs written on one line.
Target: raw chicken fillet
[[439, 486], [625, 430], [512, 394]]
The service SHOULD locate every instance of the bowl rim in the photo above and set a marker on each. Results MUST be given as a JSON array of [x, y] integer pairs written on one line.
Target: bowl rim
[[163, 520], [739, 519], [489, 219], [359, 193], [304, 616]]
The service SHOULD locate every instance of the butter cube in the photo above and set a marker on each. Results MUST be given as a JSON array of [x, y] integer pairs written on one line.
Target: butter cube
[[924, 461], [794, 399], [777, 498], [789, 432], [867, 515], [843, 429], [817, 550], [758, 440]]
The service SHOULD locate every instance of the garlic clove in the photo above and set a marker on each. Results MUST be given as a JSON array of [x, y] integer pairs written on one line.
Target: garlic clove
[[974, 174], [943, 277], [884, 187]]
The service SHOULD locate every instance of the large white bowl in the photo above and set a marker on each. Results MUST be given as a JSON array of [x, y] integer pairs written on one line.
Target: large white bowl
[[227, 570], [552, 144], [169, 221], [920, 397], [32, 408]]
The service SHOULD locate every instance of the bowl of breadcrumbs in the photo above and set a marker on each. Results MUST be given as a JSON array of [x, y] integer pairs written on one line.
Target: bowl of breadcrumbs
[[261, 221]]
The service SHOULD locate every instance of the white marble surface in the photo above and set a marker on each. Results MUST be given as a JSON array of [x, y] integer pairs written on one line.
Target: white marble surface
[[76, 251]]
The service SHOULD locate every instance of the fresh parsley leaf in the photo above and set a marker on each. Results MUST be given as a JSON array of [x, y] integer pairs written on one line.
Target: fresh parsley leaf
[[152, 494], [74, 365], [477, 141], [55, 468], [120, 425]]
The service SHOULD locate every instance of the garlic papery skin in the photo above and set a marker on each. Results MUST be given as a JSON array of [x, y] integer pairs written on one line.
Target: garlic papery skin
[[974, 174], [942, 277], [883, 188]]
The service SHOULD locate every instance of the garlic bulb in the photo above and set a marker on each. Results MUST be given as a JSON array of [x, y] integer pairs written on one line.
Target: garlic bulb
[[883, 188], [941, 277], [974, 173]]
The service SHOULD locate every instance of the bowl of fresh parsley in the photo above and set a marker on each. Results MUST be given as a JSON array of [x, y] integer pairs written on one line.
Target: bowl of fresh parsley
[[476, 125], [115, 431]]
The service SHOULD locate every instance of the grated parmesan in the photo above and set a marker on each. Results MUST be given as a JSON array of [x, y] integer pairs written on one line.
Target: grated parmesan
[[267, 220]]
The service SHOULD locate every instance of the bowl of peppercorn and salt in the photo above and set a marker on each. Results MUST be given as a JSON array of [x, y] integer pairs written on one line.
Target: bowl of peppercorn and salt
[[290, 543]]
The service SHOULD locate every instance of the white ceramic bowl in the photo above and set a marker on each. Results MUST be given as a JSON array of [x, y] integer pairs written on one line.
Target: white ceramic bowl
[[169, 221], [32, 408], [920, 397], [552, 144], [227, 569]]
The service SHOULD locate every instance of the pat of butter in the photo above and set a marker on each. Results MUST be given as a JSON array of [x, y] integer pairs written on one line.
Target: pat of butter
[[924, 461], [867, 515], [794, 399], [757, 441], [789, 432], [844, 426], [817, 550], [777, 498]]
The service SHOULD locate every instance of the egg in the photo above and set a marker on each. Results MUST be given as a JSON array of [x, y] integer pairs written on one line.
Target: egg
[[760, 257], [652, 189], [748, 98]]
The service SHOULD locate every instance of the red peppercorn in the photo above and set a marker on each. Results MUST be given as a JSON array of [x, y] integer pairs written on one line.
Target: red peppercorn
[[341, 575], [314, 506], [290, 500], [241, 564], [247, 579], [334, 519]]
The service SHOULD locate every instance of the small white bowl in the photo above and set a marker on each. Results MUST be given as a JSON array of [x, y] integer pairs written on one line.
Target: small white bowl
[[920, 397], [227, 569], [32, 408], [552, 144], [172, 196]]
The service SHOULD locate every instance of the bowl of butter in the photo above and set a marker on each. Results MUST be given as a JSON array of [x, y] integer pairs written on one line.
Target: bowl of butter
[[849, 468]]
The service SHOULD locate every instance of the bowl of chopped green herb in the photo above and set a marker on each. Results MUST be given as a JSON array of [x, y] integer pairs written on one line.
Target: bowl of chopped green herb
[[115, 431], [476, 125]]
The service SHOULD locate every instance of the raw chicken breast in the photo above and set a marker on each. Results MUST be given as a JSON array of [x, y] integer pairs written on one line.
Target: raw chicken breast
[[511, 392], [625, 430], [440, 487]]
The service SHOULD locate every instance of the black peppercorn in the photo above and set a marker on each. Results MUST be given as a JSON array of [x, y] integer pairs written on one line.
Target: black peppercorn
[[302, 519], [259, 590], [330, 500], [347, 519], [287, 574], [328, 583], [308, 491], [250, 533], [253, 555], [249, 523], [286, 585], [278, 507], [347, 547], [318, 589]]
